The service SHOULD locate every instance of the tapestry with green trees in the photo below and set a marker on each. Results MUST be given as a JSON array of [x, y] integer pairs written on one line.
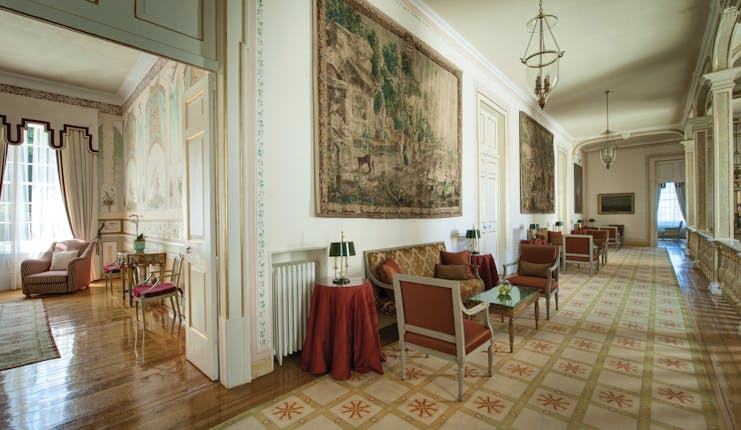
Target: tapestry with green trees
[[388, 118]]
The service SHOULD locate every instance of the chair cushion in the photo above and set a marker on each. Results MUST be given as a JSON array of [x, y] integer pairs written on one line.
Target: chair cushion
[[60, 259], [533, 269], [454, 272], [50, 277], [388, 269], [111, 268], [475, 334], [585, 259], [160, 289], [532, 281], [462, 257]]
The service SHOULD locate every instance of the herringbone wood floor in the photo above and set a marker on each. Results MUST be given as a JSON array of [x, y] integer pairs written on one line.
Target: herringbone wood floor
[[112, 375]]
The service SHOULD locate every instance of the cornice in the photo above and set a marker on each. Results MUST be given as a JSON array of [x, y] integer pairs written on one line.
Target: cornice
[[60, 98], [156, 68]]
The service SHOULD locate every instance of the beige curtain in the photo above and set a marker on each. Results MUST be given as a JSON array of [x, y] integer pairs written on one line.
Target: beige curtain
[[3, 158], [78, 164]]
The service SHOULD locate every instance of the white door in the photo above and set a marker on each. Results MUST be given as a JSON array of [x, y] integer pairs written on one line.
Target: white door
[[200, 278], [490, 138]]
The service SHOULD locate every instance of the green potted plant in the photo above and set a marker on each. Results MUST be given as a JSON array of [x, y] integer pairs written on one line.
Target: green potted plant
[[139, 243]]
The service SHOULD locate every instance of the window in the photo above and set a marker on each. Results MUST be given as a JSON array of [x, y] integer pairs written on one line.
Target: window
[[669, 214], [32, 211]]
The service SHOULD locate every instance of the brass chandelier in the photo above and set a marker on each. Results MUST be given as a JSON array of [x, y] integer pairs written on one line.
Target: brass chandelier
[[542, 64], [608, 147]]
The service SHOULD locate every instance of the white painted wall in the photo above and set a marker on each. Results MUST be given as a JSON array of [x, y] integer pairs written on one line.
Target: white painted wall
[[629, 174], [289, 155]]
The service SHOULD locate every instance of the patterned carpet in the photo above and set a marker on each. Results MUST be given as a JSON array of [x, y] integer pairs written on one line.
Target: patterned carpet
[[621, 353], [25, 337]]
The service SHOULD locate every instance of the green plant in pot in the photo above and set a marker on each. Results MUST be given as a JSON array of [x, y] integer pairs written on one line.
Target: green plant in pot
[[139, 243]]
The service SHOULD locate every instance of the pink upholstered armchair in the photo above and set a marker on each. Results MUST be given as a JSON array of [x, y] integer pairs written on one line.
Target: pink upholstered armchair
[[38, 278]]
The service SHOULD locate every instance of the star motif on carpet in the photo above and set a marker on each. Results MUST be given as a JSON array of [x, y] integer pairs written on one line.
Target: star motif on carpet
[[573, 368], [287, 410], [414, 373], [585, 344], [356, 409], [470, 371], [618, 399], [631, 343], [670, 340], [519, 369], [423, 407], [541, 346], [623, 365], [681, 396], [555, 402], [489, 404], [675, 363]]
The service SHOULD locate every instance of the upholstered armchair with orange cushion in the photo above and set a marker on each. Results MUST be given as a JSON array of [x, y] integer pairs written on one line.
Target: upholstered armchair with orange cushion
[[421, 260], [430, 319], [537, 267], [63, 268], [614, 237], [600, 240], [579, 249]]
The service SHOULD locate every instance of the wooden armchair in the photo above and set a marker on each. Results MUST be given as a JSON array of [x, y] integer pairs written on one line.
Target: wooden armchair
[[42, 276], [579, 249], [154, 287], [600, 239], [429, 315], [537, 267]]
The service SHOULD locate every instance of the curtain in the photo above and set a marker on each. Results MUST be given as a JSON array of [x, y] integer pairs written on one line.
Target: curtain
[[679, 191], [79, 169], [30, 205], [3, 157]]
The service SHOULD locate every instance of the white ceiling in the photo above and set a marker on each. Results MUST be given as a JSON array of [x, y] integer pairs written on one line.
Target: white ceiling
[[643, 51], [45, 57]]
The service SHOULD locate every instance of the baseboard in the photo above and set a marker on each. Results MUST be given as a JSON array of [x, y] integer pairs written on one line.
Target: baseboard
[[262, 367], [636, 243]]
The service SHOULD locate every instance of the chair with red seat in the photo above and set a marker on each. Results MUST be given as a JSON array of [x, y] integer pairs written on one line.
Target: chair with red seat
[[109, 270], [154, 287], [429, 315], [579, 249], [537, 267]]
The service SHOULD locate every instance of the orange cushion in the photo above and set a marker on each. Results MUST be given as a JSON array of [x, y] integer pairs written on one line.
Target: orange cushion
[[532, 282], [474, 333], [388, 269], [457, 258], [454, 272], [533, 269]]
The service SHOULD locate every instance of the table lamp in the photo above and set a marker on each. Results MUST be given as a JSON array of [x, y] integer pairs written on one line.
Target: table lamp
[[579, 224], [341, 250], [591, 221], [531, 231], [559, 224], [473, 236]]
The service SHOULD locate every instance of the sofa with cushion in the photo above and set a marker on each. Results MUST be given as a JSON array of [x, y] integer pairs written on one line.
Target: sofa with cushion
[[63, 268], [429, 260]]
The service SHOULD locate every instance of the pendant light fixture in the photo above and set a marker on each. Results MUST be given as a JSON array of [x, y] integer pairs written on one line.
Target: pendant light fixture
[[608, 147], [542, 63]]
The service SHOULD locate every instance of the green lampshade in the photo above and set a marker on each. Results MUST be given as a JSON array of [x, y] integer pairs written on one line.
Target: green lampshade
[[591, 219], [580, 221], [473, 234], [534, 226], [341, 249], [559, 223]]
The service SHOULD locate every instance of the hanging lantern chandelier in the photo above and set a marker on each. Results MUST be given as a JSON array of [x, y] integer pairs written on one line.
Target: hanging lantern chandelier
[[542, 64], [608, 147]]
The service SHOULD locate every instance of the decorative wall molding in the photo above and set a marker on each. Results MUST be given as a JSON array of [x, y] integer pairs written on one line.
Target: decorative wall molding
[[58, 98], [151, 74]]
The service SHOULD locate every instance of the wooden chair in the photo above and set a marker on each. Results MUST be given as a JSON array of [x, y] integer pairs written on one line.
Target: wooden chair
[[154, 288], [614, 238], [537, 267], [110, 270], [429, 314], [579, 249], [601, 242]]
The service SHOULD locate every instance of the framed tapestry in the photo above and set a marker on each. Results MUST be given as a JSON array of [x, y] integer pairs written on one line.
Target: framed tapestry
[[616, 203], [537, 194], [387, 111], [578, 203]]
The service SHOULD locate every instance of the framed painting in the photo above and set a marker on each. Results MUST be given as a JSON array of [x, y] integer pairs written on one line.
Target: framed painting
[[578, 203], [387, 111], [537, 194], [617, 203]]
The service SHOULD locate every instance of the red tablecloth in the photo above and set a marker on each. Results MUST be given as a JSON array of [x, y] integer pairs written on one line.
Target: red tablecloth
[[342, 331], [487, 269], [534, 242]]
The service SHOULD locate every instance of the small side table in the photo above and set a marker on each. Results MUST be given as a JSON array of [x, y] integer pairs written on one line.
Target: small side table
[[511, 305], [487, 269], [342, 330]]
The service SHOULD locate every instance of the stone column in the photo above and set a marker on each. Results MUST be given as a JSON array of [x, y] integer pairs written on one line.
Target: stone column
[[701, 137], [689, 181], [721, 88]]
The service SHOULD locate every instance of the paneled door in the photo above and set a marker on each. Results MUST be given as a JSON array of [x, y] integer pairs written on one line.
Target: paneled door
[[201, 335], [490, 139]]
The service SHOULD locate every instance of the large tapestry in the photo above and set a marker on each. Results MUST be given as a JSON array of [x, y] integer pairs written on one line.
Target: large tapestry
[[536, 168], [387, 117]]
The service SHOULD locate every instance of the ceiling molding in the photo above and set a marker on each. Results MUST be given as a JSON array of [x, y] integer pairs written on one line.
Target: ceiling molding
[[473, 53], [43, 85], [672, 134], [153, 71], [135, 75], [61, 98]]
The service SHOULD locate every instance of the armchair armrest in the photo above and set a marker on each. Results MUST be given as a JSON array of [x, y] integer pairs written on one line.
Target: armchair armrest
[[474, 310], [33, 266], [514, 263]]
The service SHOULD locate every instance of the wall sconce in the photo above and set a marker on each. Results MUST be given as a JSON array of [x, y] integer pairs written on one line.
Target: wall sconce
[[473, 236], [531, 231], [341, 250]]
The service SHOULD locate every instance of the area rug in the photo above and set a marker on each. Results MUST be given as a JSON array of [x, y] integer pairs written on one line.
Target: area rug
[[25, 336], [621, 353]]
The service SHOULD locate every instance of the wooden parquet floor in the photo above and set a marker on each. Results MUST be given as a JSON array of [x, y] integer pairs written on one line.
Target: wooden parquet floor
[[111, 375]]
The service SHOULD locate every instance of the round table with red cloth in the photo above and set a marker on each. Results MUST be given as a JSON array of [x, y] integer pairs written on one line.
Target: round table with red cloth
[[342, 331], [487, 269], [534, 242]]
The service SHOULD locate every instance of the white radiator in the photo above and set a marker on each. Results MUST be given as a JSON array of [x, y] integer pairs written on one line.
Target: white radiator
[[293, 284]]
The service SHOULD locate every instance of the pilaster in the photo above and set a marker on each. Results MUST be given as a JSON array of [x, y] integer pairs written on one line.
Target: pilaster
[[689, 184]]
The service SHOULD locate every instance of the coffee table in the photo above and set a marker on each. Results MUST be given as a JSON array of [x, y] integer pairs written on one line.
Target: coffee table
[[510, 305]]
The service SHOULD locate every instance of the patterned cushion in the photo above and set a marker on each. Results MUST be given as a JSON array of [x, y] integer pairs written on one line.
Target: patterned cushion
[[462, 257], [159, 290], [50, 277], [455, 272], [388, 270]]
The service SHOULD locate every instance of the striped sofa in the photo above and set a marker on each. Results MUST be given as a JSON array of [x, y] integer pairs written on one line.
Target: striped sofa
[[38, 279]]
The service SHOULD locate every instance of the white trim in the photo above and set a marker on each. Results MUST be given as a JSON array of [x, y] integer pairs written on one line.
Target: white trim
[[26, 81], [708, 40]]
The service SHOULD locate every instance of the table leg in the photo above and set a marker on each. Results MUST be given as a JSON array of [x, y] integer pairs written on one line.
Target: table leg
[[537, 312], [511, 334]]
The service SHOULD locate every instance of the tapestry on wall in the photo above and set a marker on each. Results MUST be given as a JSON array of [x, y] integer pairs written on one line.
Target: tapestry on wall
[[536, 167], [578, 207], [387, 118]]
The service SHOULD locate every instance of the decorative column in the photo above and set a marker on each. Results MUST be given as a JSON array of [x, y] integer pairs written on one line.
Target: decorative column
[[700, 131], [721, 88], [689, 181]]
